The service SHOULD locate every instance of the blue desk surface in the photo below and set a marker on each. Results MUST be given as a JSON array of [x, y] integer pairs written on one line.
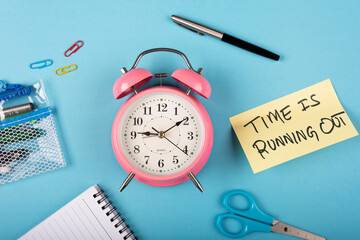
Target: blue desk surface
[[316, 40]]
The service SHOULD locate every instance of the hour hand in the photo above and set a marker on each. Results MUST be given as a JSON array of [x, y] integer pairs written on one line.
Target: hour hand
[[148, 133], [176, 124]]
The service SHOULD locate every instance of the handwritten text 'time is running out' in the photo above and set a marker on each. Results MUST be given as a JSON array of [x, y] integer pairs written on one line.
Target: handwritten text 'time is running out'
[[292, 126]]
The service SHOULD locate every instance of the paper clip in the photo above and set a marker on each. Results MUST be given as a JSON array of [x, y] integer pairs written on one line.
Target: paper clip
[[62, 70], [41, 64], [74, 48]]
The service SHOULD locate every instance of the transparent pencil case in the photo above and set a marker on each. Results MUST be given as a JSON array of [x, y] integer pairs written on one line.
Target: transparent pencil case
[[29, 142]]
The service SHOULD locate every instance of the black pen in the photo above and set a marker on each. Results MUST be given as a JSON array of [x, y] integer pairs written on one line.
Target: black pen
[[202, 30]]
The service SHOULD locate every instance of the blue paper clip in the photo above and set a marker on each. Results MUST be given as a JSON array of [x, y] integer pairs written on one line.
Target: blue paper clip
[[10, 91], [41, 64]]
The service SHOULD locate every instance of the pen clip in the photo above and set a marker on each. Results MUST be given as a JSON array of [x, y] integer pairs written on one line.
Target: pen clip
[[188, 28]]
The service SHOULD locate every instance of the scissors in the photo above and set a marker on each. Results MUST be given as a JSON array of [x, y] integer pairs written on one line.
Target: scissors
[[252, 219]]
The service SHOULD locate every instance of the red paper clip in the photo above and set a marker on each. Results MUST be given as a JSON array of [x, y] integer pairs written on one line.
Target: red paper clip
[[74, 48]]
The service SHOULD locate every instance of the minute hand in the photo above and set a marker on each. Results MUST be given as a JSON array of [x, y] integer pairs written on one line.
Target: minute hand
[[175, 145], [176, 125]]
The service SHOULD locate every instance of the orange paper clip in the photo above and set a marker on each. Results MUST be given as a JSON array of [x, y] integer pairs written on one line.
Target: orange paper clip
[[74, 48], [67, 69]]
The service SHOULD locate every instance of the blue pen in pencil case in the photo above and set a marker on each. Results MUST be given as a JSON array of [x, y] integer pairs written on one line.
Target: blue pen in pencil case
[[29, 142]]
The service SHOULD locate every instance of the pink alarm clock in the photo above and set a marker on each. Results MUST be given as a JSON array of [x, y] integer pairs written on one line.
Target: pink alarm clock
[[162, 136]]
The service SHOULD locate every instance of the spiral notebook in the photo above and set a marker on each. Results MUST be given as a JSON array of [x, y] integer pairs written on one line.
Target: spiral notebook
[[88, 216]]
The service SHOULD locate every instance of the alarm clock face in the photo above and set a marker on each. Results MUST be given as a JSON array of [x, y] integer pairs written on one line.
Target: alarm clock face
[[161, 134]]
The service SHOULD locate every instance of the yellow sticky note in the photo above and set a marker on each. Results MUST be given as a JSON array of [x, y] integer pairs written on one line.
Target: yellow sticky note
[[292, 126]]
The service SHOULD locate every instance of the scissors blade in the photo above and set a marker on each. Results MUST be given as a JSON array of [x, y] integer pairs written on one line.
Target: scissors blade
[[283, 228]]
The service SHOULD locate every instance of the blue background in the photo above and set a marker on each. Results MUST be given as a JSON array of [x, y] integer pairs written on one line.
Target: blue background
[[316, 40]]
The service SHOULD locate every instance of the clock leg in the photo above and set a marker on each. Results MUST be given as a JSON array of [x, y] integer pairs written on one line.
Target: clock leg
[[195, 181], [127, 181]]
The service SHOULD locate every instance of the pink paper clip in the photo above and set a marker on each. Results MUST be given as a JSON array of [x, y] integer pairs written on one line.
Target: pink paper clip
[[74, 48]]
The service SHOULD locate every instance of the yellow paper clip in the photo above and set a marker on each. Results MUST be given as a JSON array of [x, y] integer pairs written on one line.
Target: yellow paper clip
[[62, 70]]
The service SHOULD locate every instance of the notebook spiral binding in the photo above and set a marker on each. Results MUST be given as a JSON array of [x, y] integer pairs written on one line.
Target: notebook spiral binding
[[112, 210]]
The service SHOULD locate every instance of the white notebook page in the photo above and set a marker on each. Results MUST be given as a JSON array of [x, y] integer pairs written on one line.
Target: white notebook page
[[82, 218]]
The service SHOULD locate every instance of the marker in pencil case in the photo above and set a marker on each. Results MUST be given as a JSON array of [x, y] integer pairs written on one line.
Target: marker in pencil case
[[6, 158], [4, 86], [15, 111], [20, 133], [20, 126], [10, 91]]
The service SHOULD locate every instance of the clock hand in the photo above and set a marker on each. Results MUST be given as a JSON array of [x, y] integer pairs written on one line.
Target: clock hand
[[147, 133], [162, 135], [176, 125], [175, 145]]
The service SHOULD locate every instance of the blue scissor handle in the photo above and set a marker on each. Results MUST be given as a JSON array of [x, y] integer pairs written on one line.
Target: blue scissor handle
[[252, 219], [247, 225]]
